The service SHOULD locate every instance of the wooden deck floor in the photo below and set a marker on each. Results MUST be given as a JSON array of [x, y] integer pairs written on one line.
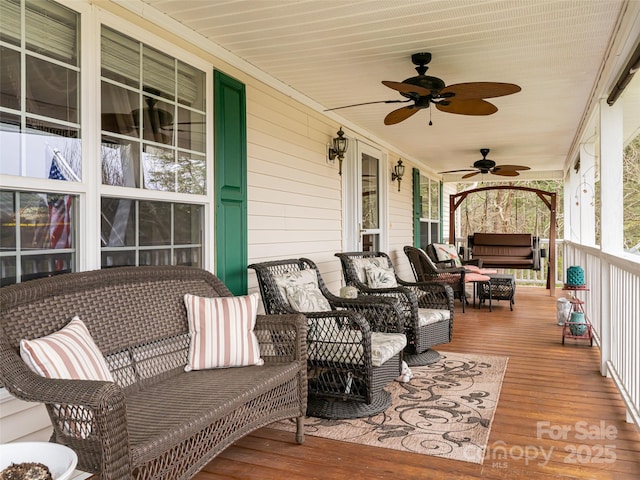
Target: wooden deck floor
[[548, 389]]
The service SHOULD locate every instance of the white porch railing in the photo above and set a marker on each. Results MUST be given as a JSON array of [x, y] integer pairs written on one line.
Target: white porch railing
[[612, 304]]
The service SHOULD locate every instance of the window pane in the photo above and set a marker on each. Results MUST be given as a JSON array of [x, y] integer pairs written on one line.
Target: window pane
[[10, 21], [10, 78], [7, 271], [157, 121], [424, 197], [38, 266], [51, 30], [120, 162], [118, 222], [191, 130], [369, 192], [7, 221], [189, 257], [53, 151], [187, 229], [126, 258], [158, 73], [52, 90], [155, 223], [435, 200], [120, 110], [191, 173], [46, 221], [120, 58], [191, 86], [9, 144], [155, 257], [159, 168]]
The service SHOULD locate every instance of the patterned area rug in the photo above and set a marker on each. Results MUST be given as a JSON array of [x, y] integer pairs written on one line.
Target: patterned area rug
[[446, 410]]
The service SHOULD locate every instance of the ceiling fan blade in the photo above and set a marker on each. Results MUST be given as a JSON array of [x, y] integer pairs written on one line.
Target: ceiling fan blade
[[456, 171], [472, 106], [399, 115], [465, 91], [512, 167], [505, 173], [407, 88], [469, 175], [367, 103]]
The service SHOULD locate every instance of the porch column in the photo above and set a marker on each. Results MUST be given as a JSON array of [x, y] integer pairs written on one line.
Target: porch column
[[611, 202]]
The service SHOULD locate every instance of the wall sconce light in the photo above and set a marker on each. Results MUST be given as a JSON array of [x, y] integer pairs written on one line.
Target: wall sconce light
[[339, 148], [398, 172]]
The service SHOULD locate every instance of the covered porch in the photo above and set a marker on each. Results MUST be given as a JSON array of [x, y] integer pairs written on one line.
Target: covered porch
[[548, 389]]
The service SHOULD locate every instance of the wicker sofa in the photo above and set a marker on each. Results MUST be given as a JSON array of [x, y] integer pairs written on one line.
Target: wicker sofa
[[155, 421]]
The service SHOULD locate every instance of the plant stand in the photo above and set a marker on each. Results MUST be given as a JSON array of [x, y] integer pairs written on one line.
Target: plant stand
[[577, 305]]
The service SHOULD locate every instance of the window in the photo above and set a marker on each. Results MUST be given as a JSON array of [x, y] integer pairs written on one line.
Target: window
[[138, 232], [429, 211], [150, 131], [153, 118], [39, 90], [153, 138], [39, 137]]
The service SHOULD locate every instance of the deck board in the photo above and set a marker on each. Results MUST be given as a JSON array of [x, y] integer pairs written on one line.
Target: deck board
[[544, 382]]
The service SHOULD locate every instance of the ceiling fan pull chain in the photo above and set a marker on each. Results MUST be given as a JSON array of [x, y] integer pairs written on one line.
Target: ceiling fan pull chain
[[430, 122]]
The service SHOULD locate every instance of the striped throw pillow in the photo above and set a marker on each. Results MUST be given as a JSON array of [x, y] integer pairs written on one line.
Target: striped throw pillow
[[70, 353], [221, 331]]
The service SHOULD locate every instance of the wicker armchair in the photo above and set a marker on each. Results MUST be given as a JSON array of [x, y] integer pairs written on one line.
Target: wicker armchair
[[346, 377], [427, 306], [425, 270]]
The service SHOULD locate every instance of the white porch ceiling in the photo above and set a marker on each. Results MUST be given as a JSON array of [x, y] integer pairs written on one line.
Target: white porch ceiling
[[337, 52]]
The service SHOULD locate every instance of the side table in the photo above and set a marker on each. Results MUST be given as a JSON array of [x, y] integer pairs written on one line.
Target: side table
[[501, 286]]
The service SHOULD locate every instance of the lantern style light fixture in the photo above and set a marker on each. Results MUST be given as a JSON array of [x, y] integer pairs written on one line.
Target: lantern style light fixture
[[397, 173], [339, 148]]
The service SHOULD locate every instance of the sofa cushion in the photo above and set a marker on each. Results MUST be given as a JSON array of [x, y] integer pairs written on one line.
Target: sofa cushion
[[70, 353], [221, 331]]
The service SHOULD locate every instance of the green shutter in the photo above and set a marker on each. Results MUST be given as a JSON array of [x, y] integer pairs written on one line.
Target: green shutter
[[230, 182], [417, 205]]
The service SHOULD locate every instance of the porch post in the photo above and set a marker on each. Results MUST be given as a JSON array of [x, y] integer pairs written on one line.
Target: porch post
[[611, 202]]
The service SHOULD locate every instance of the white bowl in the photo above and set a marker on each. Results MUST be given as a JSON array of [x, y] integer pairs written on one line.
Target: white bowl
[[60, 460]]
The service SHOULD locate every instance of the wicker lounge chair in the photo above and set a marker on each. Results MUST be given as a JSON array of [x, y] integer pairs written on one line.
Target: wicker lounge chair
[[425, 270], [344, 378], [427, 306]]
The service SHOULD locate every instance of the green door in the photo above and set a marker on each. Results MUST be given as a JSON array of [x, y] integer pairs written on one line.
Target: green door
[[230, 182]]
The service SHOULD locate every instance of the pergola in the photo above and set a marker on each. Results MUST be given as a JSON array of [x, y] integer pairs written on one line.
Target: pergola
[[548, 198]]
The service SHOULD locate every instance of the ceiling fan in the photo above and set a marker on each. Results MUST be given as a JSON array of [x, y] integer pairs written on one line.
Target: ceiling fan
[[486, 165], [423, 90]]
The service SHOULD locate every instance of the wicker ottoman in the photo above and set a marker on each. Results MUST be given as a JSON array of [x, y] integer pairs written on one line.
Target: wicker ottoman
[[502, 286]]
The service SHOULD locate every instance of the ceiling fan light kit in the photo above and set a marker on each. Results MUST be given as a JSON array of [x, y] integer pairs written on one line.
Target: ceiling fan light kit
[[424, 90]]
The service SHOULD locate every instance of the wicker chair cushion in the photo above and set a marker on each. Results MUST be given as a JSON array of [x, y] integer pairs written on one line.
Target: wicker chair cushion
[[383, 347], [300, 289], [427, 316], [380, 277], [445, 252], [221, 330], [69, 353], [361, 265]]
